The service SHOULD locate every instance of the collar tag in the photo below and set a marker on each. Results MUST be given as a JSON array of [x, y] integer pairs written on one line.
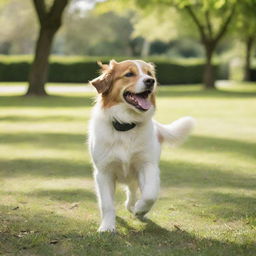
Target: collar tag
[[122, 127]]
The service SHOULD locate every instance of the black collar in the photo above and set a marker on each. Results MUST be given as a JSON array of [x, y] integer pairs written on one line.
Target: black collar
[[122, 127]]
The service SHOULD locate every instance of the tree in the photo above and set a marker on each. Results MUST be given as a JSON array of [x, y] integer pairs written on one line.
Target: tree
[[209, 37], [157, 26], [17, 37], [211, 19], [50, 21], [246, 30]]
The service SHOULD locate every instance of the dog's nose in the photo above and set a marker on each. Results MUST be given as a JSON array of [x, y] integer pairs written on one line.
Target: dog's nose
[[149, 82]]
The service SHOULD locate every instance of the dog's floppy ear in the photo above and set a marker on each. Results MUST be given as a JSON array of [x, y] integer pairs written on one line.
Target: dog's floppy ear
[[103, 82]]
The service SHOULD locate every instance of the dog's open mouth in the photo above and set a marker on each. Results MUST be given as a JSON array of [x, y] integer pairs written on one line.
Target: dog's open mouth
[[138, 100]]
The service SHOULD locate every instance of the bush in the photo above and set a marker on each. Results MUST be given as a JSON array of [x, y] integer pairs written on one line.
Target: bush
[[83, 69], [253, 75]]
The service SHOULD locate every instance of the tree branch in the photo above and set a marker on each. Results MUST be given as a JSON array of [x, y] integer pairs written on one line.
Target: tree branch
[[225, 24], [197, 22], [54, 15], [208, 23], [57, 7], [40, 10]]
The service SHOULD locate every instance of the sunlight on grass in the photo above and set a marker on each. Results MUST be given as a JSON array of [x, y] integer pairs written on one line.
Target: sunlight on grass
[[207, 200]]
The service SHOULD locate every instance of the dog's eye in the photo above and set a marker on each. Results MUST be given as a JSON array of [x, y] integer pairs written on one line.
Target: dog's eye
[[149, 73], [129, 74]]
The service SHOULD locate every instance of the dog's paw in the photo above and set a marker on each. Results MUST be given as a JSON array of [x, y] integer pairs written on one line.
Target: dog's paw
[[141, 216], [107, 228], [142, 207]]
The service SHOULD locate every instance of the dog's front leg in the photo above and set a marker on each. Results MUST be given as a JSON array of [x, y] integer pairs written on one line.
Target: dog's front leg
[[105, 185], [149, 185]]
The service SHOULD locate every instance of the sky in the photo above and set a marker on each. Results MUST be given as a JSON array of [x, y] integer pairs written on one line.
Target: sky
[[84, 5]]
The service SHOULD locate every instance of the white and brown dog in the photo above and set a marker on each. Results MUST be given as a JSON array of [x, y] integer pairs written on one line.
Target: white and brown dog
[[124, 141]]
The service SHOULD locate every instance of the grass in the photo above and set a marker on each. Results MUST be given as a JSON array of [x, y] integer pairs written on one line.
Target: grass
[[207, 200]]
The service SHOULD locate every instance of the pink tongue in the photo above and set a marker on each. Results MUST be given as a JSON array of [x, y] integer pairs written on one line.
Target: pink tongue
[[144, 103]]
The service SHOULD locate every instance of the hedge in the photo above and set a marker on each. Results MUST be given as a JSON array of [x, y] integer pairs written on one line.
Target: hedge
[[83, 69], [253, 75]]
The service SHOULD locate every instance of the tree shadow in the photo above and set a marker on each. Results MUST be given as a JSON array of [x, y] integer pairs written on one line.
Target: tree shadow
[[47, 140], [233, 207], [186, 174], [182, 173], [64, 195], [45, 168], [211, 144], [47, 102]]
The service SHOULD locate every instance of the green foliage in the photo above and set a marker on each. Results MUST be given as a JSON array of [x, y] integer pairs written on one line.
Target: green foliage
[[157, 25], [113, 35], [18, 27], [245, 23], [186, 48], [83, 69], [209, 16]]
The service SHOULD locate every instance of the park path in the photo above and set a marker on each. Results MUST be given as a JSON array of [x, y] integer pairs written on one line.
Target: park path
[[20, 89]]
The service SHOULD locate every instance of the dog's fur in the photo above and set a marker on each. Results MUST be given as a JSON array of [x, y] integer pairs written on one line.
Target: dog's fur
[[130, 157]]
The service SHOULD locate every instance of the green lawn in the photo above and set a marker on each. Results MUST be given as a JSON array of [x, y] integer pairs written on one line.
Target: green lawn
[[207, 204]]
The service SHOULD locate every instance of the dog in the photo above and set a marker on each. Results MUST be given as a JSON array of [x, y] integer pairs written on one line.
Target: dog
[[124, 140]]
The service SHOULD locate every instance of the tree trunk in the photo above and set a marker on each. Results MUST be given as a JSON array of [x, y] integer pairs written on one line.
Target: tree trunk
[[145, 48], [249, 46], [209, 75], [39, 69], [49, 22]]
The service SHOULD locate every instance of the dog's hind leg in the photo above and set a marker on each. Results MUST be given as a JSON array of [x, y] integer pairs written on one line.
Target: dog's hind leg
[[131, 194], [149, 186], [105, 185]]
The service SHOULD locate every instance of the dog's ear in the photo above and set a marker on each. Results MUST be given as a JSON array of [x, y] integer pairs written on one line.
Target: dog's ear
[[103, 82]]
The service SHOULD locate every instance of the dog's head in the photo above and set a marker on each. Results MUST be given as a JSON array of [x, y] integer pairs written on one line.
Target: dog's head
[[132, 82]]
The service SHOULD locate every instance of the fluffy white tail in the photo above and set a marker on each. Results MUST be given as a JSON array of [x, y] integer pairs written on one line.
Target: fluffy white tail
[[176, 132]]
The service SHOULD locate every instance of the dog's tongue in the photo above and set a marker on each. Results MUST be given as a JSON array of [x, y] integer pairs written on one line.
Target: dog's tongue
[[143, 102]]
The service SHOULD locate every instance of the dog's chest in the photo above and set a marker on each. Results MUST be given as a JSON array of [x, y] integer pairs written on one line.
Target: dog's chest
[[123, 155], [125, 149], [121, 152]]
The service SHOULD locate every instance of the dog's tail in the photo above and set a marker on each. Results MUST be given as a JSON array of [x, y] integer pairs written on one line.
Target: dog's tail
[[176, 132]]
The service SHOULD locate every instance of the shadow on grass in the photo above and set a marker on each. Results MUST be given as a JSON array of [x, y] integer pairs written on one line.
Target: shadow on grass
[[181, 173], [46, 102], [65, 195], [51, 140], [211, 144], [178, 173], [180, 241], [174, 173], [186, 174], [233, 206], [68, 140], [199, 92], [45, 168], [75, 237]]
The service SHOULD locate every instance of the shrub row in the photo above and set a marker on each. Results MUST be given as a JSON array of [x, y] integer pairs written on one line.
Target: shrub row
[[253, 75], [83, 69]]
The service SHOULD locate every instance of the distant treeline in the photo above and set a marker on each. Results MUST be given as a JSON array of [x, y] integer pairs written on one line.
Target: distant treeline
[[82, 69]]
